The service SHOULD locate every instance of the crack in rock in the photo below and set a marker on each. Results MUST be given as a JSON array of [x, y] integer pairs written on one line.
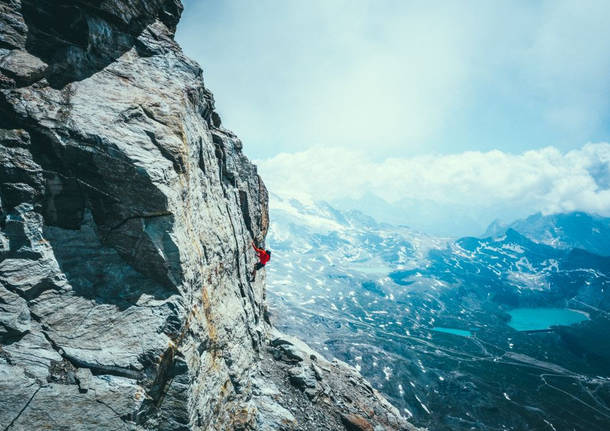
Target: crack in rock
[[23, 409]]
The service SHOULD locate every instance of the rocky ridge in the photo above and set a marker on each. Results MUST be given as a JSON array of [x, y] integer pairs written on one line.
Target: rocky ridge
[[127, 212]]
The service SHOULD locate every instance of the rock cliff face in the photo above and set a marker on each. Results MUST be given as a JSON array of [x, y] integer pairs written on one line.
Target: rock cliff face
[[126, 217]]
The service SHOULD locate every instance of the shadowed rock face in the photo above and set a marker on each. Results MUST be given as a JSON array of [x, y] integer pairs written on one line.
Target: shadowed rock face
[[126, 216]]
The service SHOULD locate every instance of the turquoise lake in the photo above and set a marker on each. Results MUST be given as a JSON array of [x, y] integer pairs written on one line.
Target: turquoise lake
[[535, 319], [460, 332]]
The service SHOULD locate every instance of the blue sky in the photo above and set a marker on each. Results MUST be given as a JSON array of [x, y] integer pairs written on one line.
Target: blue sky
[[382, 80]]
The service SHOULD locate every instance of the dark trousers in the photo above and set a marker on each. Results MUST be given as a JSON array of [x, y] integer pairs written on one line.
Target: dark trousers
[[256, 268]]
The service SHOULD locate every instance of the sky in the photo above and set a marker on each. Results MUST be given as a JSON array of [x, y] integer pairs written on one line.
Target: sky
[[501, 104]]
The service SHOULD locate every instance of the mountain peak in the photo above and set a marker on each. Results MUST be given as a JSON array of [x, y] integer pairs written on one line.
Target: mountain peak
[[575, 229]]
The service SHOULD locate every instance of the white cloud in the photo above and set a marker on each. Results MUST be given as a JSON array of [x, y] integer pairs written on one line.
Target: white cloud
[[405, 77], [544, 180]]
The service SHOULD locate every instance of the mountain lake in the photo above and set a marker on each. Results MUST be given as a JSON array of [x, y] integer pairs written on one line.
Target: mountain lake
[[460, 332], [542, 318]]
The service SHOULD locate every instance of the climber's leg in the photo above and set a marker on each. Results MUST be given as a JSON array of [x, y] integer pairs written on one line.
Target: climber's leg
[[256, 268]]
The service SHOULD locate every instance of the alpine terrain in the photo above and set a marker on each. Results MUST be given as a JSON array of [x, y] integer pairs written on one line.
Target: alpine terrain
[[505, 332]]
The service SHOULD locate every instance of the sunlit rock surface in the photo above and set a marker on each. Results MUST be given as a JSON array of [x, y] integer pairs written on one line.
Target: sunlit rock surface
[[127, 213]]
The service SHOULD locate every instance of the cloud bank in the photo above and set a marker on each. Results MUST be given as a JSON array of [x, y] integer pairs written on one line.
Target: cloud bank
[[405, 77], [500, 184]]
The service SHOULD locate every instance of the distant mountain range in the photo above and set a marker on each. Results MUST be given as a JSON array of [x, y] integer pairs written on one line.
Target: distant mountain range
[[395, 303], [567, 230], [426, 215]]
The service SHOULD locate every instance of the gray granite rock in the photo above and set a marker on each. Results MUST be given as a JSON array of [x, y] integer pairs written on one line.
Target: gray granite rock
[[22, 67], [126, 216], [15, 318]]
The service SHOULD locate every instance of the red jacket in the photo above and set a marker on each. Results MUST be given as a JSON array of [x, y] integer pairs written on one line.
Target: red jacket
[[263, 256]]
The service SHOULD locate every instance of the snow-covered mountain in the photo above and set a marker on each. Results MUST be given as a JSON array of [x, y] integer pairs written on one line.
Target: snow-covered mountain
[[427, 319], [566, 230], [317, 232]]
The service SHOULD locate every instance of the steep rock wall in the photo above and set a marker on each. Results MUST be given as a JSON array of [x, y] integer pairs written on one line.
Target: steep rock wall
[[127, 213]]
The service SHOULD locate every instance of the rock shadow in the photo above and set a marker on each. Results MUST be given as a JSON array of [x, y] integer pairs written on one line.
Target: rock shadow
[[98, 272], [79, 38]]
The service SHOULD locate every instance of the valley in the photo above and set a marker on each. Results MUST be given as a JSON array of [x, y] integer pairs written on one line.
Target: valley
[[427, 320]]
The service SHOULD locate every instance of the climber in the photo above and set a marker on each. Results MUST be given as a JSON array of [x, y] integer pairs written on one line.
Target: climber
[[264, 256]]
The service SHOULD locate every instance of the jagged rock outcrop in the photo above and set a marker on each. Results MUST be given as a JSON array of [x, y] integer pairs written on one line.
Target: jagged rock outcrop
[[126, 217]]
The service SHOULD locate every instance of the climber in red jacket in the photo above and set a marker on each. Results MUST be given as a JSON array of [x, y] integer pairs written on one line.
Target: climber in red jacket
[[264, 256]]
